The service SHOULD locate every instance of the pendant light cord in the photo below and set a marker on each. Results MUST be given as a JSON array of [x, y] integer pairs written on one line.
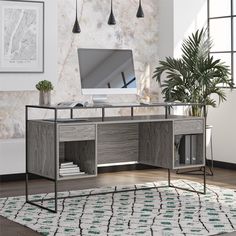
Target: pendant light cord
[[76, 10]]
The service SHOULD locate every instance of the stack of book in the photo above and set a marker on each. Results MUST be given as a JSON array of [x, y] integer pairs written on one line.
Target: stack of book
[[69, 169]]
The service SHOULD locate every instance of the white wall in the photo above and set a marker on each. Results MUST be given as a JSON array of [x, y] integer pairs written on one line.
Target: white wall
[[223, 120], [178, 19], [27, 81], [12, 151], [12, 156], [189, 16], [166, 29]]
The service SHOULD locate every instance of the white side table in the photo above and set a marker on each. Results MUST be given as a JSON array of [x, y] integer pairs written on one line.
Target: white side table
[[209, 144]]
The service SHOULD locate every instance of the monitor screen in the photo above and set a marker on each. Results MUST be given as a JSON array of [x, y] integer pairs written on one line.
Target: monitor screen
[[105, 71]]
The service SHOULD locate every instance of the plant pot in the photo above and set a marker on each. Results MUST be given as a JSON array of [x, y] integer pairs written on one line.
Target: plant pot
[[209, 151], [208, 134], [44, 98]]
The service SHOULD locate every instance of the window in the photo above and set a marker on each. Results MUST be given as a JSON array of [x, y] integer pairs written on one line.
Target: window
[[222, 30]]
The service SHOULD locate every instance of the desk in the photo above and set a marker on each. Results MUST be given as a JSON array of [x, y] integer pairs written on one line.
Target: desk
[[90, 142]]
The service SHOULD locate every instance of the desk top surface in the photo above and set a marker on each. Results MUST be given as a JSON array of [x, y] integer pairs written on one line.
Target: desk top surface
[[120, 119], [115, 105]]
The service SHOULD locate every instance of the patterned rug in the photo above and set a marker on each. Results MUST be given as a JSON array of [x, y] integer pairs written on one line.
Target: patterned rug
[[159, 211]]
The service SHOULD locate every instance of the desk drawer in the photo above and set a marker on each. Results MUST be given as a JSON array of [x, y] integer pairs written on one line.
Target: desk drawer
[[76, 132], [188, 126], [117, 143]]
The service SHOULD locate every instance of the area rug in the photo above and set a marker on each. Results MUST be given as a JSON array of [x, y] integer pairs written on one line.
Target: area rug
[[159, 211]]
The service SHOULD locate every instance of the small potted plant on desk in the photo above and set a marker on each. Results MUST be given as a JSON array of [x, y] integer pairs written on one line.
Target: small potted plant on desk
[[195, 76], [44, 88]]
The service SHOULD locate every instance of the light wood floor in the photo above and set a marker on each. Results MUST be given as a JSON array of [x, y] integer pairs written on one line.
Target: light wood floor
[[222, 177]]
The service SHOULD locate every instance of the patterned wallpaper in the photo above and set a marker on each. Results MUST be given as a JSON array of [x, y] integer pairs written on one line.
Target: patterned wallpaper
[[140, 35]]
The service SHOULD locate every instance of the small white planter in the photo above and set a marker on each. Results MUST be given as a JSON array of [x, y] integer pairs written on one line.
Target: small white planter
[[208, 134], [44, 98], [209, 146]]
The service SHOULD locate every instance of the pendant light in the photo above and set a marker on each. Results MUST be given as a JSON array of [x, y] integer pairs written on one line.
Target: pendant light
[[111, 20], [140, 13], [76, 29]]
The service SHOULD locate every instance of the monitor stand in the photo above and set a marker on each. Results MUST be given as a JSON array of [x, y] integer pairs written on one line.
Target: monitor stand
[[100, 99]]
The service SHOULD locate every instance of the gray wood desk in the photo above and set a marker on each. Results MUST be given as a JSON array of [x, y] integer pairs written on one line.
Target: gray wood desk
[[91, 142]]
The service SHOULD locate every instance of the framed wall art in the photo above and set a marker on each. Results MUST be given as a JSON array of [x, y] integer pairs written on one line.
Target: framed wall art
[[21, 36]]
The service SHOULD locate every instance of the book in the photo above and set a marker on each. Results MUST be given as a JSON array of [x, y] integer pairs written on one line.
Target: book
[[67, 163], [72, 174], [187, 149], [72, 104], [68, 170], [184, 150], [68, 166], [194, 149]]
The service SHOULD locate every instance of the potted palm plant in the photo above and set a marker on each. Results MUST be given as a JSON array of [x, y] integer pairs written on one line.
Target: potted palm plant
[[195, 76], [44, 88]]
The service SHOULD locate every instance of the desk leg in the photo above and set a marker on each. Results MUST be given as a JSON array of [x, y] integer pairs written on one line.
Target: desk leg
[[103, 113], [34, 202], [169, 178], [26, 187], [55, 189], [26, 155], [186, 189], [132, 112], [204, 184], [112, 192], [71, 114], [167, 111], [55, 158]]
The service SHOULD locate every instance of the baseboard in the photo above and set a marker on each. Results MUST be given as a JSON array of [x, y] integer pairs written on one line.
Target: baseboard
[[14, 177], [20, 177], [223, 165]]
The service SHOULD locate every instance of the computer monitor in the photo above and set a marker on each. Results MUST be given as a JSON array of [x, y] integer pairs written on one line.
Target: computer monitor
[[107, 71]]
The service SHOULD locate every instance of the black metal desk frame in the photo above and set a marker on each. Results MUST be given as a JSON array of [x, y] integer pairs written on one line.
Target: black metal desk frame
[[167, 107]]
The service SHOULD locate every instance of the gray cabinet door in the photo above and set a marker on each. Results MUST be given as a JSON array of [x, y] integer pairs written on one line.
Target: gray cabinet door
[[156, 144], [41, 148], [117, 143]]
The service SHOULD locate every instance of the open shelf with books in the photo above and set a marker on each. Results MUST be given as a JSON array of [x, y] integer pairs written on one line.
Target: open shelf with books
[[77, 159], [69, 169], [188, 150]]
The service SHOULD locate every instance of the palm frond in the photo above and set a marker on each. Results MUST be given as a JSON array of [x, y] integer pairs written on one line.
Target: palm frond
[[195, 76]]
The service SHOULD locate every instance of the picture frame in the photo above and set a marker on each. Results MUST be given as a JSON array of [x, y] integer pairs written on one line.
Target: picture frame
[[21, 36]]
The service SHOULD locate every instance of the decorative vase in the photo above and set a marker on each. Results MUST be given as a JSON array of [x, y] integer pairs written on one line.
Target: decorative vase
[[44, 98]]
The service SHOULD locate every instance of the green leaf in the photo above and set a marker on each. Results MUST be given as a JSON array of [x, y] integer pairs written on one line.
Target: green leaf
[[196, 75]]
